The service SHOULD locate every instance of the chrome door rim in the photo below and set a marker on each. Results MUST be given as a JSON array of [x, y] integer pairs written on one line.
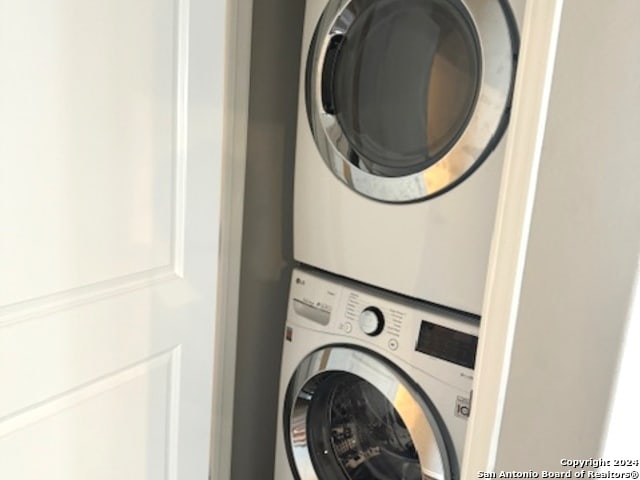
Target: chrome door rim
[[364, 364], [498, 43]]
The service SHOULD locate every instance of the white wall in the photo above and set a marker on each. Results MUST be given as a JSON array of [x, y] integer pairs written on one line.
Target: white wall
[[623, 428], [584, 242]]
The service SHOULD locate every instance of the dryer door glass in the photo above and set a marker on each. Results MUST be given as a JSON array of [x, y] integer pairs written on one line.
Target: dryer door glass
[[404, 83], [406, 98], [362, 421]]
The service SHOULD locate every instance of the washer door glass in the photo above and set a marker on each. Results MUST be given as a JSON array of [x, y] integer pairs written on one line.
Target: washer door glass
[[356, 431], [406, 98], [362, 421]]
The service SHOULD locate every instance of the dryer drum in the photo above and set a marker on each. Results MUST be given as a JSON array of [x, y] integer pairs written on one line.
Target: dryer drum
[[354, 416], [406, 98]]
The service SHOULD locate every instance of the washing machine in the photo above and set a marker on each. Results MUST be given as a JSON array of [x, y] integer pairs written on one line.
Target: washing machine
[[403, 107], [373, 386]]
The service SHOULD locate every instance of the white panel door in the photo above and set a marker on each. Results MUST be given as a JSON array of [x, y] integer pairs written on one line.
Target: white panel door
[[110, 157]]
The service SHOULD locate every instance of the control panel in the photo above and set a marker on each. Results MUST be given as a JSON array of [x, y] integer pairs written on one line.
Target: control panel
[[348, 310], [378, 319], [408, 329]]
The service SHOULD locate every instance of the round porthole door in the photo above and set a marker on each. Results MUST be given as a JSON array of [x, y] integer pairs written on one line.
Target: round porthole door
[[350, 415], [406, 98]]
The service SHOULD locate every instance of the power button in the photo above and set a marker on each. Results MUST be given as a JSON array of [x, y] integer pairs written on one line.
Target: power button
[[393, 344]]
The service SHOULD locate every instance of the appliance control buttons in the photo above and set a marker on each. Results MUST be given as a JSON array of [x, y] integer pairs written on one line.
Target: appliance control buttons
[[347, 327], [393, 344], [371, 321]]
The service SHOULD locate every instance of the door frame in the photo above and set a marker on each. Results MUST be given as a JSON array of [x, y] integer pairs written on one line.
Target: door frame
[[555, 327], [506, 265], [236, 117], [525, 136], [504, 277]]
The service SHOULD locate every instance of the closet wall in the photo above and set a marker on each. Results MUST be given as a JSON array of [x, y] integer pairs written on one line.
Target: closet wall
[[267, 249]]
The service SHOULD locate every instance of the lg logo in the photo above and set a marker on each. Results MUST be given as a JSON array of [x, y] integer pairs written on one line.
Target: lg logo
[[299, 281]]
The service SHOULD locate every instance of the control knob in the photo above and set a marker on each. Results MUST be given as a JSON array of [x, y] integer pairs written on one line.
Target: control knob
[[371, 321]]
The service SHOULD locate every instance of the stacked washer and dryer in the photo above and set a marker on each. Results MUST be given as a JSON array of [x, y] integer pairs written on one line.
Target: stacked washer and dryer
[[403, 106]]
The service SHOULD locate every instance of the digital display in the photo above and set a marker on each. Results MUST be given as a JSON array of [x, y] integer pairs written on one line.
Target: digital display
[[447, 344]]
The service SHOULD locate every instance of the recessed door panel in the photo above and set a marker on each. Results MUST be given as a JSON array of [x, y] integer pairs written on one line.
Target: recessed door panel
[[89, 128]]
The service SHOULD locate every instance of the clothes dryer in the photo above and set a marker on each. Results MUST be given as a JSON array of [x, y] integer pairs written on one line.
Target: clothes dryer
[[373, 386], [403, 106]]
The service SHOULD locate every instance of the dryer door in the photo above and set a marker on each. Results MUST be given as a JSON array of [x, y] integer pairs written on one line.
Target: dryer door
[[350, 415], [405, 98]]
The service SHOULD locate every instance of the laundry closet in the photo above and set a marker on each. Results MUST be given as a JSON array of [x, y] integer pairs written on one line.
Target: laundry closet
[[368, 269]]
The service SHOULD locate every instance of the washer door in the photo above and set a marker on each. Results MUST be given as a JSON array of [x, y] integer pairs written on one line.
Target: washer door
[[349, 415], [406, 98]]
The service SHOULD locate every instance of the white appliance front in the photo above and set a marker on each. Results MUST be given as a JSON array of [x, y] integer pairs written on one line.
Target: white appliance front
[[373, 386], [402, 109]]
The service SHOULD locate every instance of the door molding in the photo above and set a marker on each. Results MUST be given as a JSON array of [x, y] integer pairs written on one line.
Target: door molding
[[236, 118]]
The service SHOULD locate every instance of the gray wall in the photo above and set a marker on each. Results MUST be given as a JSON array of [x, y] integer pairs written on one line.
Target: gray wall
[[267, 233], [585, 237]]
